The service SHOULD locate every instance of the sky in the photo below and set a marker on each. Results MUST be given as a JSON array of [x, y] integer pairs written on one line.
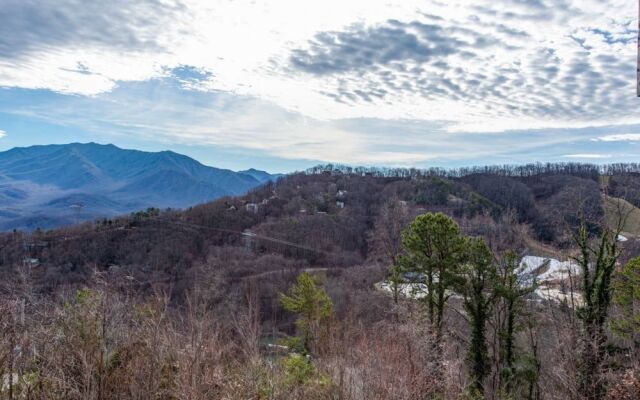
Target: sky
[[285, 85]]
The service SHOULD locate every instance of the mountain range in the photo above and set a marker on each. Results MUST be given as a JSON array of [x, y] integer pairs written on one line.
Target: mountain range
[[54, 185]]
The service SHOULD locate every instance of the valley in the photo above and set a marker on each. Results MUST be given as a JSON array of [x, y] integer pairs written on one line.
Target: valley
[[219, 271]]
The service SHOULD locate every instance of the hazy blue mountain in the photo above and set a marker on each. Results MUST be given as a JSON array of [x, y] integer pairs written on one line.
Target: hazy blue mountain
[[261, 176], [53, 185]]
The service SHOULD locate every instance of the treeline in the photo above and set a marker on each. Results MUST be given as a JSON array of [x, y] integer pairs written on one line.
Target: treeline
[[588, 171]]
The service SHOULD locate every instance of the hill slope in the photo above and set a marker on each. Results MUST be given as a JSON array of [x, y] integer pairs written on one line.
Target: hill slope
[[616, 208], [47, 186]]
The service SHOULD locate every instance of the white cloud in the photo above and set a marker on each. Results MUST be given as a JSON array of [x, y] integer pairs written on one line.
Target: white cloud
[[588, 156], [2, 133], [619, 137]]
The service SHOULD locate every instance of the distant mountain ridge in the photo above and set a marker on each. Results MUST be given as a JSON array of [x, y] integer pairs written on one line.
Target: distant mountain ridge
[[52, 185]]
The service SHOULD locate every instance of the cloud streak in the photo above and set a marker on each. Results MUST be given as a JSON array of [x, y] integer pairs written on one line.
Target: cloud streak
[[162, 111], [588, 156], [80, 47], [620, 137], [29, 26]]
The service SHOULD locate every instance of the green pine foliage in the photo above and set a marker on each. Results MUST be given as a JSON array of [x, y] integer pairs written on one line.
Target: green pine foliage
[[626, 296], [311, 303], [433, 247], [475, 283]]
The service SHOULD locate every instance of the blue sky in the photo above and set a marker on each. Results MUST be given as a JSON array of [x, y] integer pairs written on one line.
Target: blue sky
[[283, 85]]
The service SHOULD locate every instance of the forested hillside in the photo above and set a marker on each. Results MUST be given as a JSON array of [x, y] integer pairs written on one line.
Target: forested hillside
[[56, 185], [193, 301]]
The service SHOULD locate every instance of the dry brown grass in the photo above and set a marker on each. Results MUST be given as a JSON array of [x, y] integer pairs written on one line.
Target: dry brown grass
[[612, 208]]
